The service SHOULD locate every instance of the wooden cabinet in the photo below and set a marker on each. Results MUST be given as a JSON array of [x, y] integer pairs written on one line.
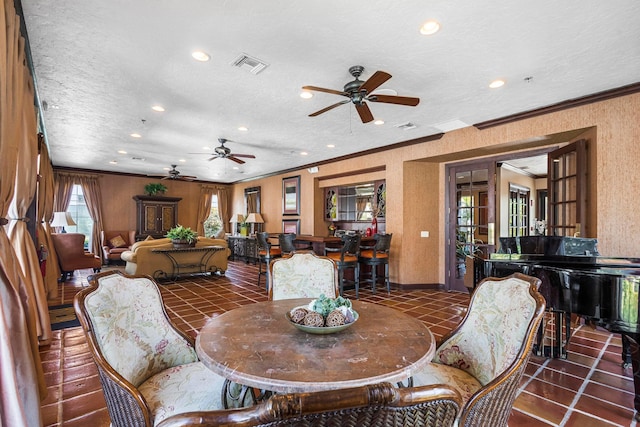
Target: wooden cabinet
[[155, 215]]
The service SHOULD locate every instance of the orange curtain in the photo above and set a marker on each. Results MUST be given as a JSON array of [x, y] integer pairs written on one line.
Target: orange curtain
[[21, 377], [204, 208], [224, 207], [45, 214]]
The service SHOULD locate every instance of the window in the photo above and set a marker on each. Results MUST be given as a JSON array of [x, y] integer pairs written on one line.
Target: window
[[518, 210], [80, 214], [213, 224]]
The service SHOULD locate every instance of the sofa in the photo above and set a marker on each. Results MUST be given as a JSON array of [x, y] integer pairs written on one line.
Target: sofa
[[114, 243], [141, 260]]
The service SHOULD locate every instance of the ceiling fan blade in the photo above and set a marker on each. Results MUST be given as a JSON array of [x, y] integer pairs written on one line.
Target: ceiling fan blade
[[248, 156], [321, 89], [392, 99], [364, 112], [330, 107], [235, 160], [165, 177], [187, 177], [375, 81], [213, 158]]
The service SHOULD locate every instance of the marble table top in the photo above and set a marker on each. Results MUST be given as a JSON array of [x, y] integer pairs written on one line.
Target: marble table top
[[255, 345]]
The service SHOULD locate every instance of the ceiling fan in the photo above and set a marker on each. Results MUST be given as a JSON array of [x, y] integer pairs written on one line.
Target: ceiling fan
[[223, 152], [173, 173], [358, 92]]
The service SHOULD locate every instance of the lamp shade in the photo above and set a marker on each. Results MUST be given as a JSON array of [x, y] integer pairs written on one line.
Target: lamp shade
[[62, 219], [255, 218], [237, 218]]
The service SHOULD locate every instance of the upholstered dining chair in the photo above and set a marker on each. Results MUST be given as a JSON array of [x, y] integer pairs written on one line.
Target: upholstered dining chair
[[485, 356], [346, 257], [377, 405], [372, 256], [303, 275], [266, 252], [148, 368]]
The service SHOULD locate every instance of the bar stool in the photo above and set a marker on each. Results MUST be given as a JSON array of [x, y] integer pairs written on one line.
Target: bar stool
[[376, 255], [346, 257], [287, 246], [266, 252]]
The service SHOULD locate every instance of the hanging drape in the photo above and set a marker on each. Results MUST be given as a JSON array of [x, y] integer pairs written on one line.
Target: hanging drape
[[91, 190], [64, 182], [204, 208], [224, 208], [62, 189], [45, 214], [21, 377]]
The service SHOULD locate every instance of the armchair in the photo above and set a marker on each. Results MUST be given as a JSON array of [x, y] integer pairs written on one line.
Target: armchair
[[148, 368], [71, 254], [112, 247], [485, 356], [379, 405]]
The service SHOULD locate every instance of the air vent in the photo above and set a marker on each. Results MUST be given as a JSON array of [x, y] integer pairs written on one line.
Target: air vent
[[253, 65], [406, 126]]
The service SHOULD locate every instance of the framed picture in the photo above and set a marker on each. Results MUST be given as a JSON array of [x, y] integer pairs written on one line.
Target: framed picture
[[291, 195], [291, 226]]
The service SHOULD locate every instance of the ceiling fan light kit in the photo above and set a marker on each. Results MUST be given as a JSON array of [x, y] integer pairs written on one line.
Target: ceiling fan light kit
[[359, 91]]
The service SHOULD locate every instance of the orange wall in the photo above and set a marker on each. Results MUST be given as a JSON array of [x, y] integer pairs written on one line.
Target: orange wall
[[415, 185]]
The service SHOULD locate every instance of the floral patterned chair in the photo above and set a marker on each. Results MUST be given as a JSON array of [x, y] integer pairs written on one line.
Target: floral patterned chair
[[148, 368], [485, 356], [303, 275]]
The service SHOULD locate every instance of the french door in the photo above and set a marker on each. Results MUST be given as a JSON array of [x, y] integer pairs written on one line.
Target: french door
[[470, 219]]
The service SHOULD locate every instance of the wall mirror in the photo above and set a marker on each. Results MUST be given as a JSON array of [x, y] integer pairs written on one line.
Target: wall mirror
[[252, 200]]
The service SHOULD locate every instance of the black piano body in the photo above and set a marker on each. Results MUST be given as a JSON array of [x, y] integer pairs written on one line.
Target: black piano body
[[576, 279]]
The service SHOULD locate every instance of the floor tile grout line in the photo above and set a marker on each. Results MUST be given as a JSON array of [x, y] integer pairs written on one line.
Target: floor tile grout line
[[583, 386]]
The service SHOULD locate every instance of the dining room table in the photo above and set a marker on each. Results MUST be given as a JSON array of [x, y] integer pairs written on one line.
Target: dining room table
[[257, 346]]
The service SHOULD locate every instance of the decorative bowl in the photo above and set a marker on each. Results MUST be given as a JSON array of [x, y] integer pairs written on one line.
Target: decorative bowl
[[323, 330]]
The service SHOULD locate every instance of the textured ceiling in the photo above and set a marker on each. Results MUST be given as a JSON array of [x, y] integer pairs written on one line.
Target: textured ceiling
[[100, 66]]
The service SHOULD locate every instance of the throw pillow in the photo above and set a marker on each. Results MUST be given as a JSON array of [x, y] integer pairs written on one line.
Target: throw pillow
[[149, 238], [118, 242]]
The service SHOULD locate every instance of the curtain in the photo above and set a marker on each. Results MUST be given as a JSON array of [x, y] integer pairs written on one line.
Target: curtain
[[21, 377], [224, 207], [92, 197], [204, 207], [62, 189], [45, 214]]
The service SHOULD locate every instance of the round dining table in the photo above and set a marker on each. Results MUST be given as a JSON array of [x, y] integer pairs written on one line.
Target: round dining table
[[257, 346]]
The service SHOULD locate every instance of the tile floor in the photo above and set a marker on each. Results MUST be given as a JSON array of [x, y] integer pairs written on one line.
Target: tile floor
[[589, 388]]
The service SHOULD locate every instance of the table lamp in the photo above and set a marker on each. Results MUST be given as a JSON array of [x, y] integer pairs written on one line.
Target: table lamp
[[62, 219], [235, 220], [255, 218]]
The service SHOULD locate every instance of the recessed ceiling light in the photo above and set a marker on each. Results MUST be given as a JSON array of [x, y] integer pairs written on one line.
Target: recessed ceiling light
[[306, 94], [201, 56], [496, 84], [182, 160], [378, 122], [235, 167], [331, 145], [243, 128], [430, 27], [206, 148], [136, 135], [303, 153], [122, 152], [113, 162], [158, 108]]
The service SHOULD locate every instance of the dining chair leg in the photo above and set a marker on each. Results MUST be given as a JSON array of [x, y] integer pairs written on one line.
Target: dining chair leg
[[341, 280], [260, 270], [386, 277]]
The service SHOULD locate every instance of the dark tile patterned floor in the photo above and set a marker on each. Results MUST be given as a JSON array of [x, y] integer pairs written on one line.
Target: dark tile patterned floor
[[589, 388]]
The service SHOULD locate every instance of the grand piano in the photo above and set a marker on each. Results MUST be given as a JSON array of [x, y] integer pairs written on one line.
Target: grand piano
[[576, 279]]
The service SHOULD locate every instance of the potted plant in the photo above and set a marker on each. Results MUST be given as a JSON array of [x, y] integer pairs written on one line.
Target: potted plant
[[182, 237], [154, 188]]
